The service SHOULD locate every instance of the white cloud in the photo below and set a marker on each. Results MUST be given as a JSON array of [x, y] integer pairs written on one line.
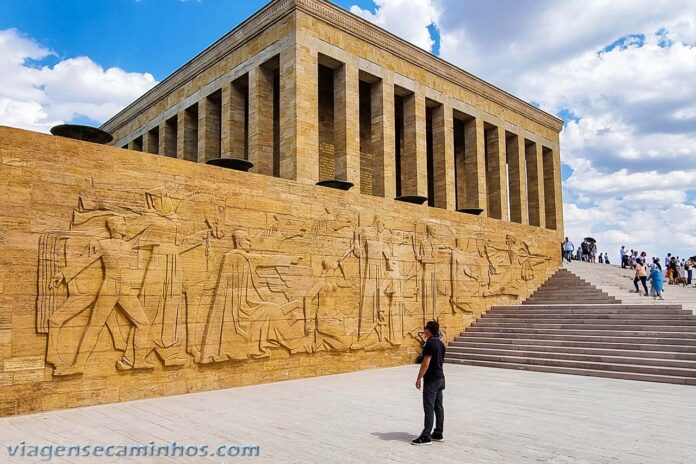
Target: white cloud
[[39, 97], [409, 19], [622, 71]]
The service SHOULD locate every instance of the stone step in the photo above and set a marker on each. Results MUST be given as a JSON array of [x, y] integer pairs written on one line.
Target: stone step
[[597, 308], [587, 316], [579, 371], [606, 349], [612, 357], [615, 324], [569, 288], [570, 298], [673, 348], [601, 307], [606, 366], [534, 301], [587, 312], [609, 332], [579, 292], [468, 335]]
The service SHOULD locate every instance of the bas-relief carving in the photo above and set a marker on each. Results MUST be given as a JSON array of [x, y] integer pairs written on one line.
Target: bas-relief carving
[[174, 281]]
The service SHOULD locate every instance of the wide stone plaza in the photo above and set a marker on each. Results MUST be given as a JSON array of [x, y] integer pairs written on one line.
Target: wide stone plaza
[[495, 416]]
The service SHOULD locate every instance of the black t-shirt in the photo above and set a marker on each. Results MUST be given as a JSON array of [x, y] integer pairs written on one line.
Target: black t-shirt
[[436, 350]]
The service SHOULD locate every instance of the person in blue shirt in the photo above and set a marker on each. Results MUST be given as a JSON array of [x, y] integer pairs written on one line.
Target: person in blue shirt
[[656, 281]]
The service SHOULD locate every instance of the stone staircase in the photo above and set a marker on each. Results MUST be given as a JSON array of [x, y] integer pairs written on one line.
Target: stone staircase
[[570, 326], [565, 287], [618, 283]]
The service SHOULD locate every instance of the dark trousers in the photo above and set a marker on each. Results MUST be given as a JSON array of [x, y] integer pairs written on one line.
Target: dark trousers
[[432, 407], [644, 280], [689, 274], [568, 255]]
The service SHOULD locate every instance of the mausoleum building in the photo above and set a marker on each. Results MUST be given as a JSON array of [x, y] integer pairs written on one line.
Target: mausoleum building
[[308, 91], [139, 269]]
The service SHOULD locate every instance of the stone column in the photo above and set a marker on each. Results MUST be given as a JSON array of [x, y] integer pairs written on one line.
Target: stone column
[[233, 125], [552, 187], [443, 157], [414, 163], [383, 169], [261, 120], [347, 124], [151, 142], [496, 173], [518, 182], [208, 129], [168, 138], [187, 135], [535, 185], [299, 129], [475, 165]]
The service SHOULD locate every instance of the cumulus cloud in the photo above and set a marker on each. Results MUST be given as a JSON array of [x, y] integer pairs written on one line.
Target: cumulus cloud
[[409, 19], [619, 72], [38, 97]]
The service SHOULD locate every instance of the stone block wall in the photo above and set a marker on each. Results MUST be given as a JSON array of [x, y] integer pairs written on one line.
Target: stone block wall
[[127, 275]]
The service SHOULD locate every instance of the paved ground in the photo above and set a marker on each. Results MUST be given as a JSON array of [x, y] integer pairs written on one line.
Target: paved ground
[[493, 416]]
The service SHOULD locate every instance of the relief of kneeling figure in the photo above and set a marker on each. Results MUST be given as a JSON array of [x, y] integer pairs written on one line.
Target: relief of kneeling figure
[[241, 324]]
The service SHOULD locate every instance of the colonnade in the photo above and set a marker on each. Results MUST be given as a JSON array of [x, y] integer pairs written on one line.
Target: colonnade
[[305, 116]]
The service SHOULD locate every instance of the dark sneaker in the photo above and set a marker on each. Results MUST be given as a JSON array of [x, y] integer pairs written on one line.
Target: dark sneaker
[[420, 441], [437, 437]]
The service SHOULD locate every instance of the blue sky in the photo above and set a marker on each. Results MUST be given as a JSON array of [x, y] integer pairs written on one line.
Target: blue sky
[[620, 74]]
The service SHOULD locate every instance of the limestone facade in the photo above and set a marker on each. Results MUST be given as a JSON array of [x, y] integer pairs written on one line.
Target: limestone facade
[[309, 92], [140, 272], [127, 275]]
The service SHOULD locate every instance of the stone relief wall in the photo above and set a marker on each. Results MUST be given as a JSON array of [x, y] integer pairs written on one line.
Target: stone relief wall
[[156, 276]]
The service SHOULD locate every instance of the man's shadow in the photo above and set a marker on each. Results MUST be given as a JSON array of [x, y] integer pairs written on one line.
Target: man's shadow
[[394, 436]]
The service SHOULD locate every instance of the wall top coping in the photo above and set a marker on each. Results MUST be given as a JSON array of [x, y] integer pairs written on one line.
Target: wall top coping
[[350, 23]]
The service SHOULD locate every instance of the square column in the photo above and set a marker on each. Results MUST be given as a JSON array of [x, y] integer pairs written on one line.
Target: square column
[[443, 158], [535, 184], [209, 128], [299, 105], [414, 162], [518, 182], [151, 141], [383, 143], [233, 126], [261, 120], [475, 165], [168, 137], [496, 173], [552, 187], [136, 144], [347, 124], [187, 135]]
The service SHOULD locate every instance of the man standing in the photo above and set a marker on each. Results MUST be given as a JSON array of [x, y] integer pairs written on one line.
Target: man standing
[[568, 248], [622, 252], [433, 379]]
